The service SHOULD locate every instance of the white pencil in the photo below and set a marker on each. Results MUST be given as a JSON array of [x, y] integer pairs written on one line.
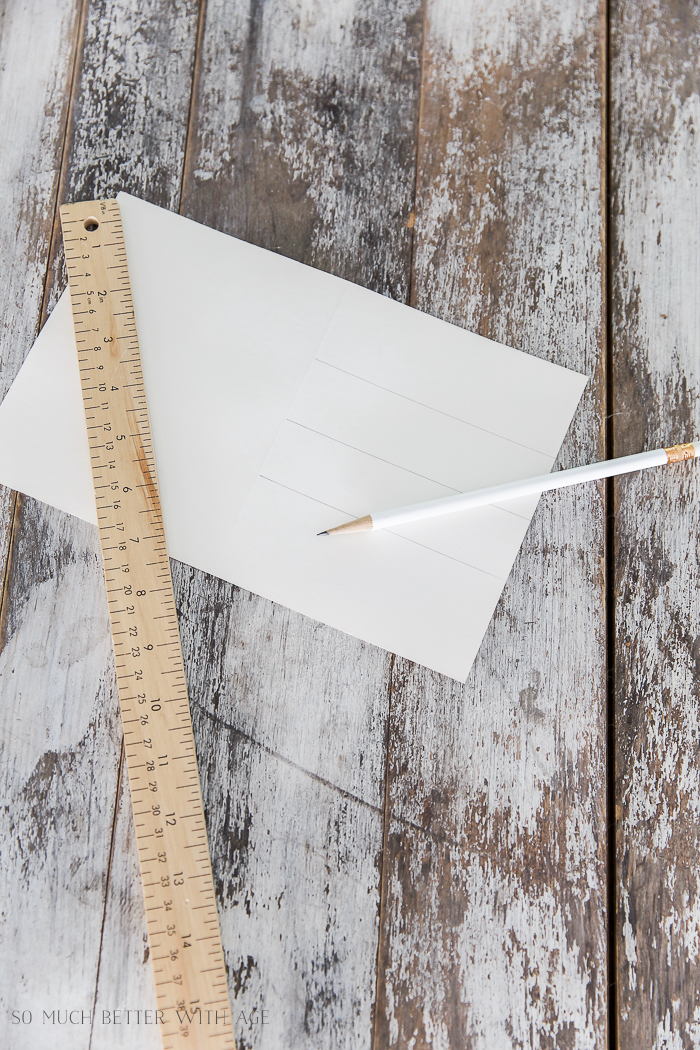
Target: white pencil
[[609, 468]]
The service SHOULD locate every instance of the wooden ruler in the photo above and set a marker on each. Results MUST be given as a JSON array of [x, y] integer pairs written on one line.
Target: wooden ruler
[[183, 926]]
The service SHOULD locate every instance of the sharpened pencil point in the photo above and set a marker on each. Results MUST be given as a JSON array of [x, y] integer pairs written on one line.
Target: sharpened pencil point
[[357, 525], [324, 533]]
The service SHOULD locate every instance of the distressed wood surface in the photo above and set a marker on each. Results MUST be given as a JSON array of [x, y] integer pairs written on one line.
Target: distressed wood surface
[[129, 111], [400, 861], [34, 108], [38, 41], [293, 105], [59, 756], [304, 132], [130, 101], [494, 884], [289, 722], [656, 273], [129, 132]]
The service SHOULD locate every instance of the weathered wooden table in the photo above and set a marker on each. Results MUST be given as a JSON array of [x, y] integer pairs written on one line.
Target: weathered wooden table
[[400, 861]]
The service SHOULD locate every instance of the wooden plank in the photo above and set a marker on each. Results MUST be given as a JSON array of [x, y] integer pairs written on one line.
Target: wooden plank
[[494, 886], [33, 113], [299, 757], [132, 98], [129, 118], [656, 351], [60, 745], [8, 507], [294, 106], [305, 133], [289, 721]]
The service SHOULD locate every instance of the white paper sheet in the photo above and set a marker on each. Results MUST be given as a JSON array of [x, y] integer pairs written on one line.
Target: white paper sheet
[[284, 401]]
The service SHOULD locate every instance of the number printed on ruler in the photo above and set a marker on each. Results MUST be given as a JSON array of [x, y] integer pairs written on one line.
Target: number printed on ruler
[[183, 926]]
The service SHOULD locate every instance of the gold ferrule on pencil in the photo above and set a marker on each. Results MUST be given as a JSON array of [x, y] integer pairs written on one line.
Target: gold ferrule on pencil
[[676, 453]]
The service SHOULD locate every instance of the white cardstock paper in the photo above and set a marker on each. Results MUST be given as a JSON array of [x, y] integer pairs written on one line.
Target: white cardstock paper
[[284, 401]]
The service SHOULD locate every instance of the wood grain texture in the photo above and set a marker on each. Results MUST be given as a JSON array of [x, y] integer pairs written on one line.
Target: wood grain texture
[[294, 106], [131, 102], [59, 755], [39, 774], [130, 110], [490, 867], [305, 132], [8, 507], [494, 884], [289, 722], [37, 47], [656, 271]]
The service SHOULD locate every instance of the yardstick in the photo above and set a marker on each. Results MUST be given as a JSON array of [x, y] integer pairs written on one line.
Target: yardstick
[[183, 926]]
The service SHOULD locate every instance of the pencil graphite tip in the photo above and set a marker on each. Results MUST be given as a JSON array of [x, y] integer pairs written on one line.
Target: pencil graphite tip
[[324, 533]]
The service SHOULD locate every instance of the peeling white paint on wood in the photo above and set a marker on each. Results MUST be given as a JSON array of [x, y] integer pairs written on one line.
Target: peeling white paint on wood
[[509, 235], [303, 142], [133, 100], [299, 918], [36, 58], [129, 126], [58, 760], [495, 888], [305, 132], [656, 255], [289, 720], [501, 860], [658, 612], [125, 978], [523, 957], [131, 108]]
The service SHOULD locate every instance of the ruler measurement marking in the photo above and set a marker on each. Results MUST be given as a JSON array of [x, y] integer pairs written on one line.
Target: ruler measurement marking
[[121, 460]]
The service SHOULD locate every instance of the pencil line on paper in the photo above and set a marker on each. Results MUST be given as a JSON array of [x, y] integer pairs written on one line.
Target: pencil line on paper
[[467, 564], [440, 411], [298, 492], [371, 455], [397, 466], [407, 539]]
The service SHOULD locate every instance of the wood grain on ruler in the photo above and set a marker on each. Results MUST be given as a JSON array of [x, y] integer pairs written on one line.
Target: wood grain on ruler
[[303, 141], [183, 930], [494, 889], [656, 351]]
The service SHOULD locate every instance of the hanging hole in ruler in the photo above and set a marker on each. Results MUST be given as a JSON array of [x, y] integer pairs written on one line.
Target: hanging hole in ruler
[[91, 224]]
